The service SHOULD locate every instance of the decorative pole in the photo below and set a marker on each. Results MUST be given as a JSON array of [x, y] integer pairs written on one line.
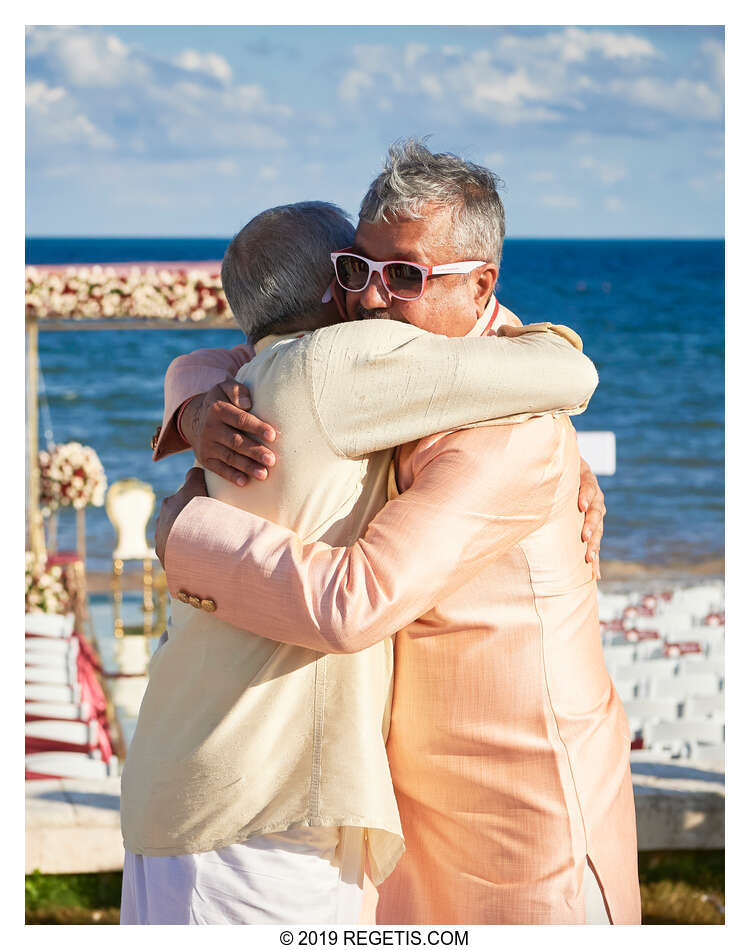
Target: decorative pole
[[34, 522], [81, 534]]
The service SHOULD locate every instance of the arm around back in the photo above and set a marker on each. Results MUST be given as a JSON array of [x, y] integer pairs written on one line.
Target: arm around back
[[187, 376], [377, 384], [475, 494]]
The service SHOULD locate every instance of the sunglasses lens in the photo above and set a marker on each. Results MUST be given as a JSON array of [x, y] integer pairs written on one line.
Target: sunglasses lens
[[403, 279], [352, 271]]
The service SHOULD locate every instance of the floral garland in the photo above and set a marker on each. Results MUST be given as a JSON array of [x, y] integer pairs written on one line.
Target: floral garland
[[45, 587], [105, 292], [71, 474]]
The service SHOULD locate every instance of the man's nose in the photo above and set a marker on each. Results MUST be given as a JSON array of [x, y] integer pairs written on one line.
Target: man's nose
[[375, 296]]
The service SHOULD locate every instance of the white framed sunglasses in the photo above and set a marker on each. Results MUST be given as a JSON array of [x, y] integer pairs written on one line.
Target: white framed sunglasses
[[404, 280]]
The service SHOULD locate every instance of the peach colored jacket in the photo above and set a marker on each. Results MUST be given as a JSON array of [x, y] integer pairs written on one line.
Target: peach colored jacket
[[509, 748]]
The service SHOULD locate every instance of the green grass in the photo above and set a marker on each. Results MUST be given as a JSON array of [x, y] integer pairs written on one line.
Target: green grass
[[677, 887], [73, 898], [682, 887]]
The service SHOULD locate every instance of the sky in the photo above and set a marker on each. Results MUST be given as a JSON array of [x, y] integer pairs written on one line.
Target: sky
[[190, 131]]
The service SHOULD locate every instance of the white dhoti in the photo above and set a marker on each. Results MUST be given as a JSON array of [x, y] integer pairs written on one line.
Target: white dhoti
[[593, 899], [309, 876]]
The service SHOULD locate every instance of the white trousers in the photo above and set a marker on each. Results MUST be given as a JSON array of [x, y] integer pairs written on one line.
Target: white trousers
[[593, 899], [310, 876]]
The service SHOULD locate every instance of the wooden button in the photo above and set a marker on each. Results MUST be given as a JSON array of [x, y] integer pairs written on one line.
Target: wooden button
[[183, 596], [194, 601], [155, 437], [208, 604]]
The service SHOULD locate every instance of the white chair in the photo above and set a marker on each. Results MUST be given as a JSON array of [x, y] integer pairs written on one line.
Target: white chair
[[652, 710], [648, 651], [47, 657], [50, 625], [46, 662], [658, 668], [702, 684], [70, 765], [705, 707], [616, 655], [76, 712], [700, 598], [129, 506], [50, 645], [683, 732], [700, 663], [46, 693], [611, 606], [672, 625], [685, 687], [85, 734], [629, 685], [44, 658], [51, 675], [711, 638]]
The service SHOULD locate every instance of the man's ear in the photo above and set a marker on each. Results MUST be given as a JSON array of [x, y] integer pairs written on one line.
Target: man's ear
[[485, 279]]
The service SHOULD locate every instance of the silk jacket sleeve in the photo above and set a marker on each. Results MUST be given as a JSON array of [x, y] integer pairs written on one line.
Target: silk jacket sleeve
[[475, 493], [187, 376], [374, 389]]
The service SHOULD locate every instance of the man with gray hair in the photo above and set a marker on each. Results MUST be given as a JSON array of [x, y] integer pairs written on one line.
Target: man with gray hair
[[257, 779], [508, 746]]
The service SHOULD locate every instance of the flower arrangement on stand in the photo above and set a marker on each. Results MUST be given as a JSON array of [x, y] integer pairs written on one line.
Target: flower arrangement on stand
[[71, 475], [183, 295], [45, 587]]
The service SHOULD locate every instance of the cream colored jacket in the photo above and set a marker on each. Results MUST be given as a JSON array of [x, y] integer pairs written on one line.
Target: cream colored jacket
[[239, 735]]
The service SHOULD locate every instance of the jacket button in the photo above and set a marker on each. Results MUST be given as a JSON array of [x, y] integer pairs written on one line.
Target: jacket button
[[155, 438], [183, 597], [194, 601], [208, 604]]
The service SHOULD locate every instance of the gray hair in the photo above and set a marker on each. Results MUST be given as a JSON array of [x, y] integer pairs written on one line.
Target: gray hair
[[277, 268], [414, 177]]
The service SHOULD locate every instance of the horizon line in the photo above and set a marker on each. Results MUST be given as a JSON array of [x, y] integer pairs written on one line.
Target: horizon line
[[518, 237]]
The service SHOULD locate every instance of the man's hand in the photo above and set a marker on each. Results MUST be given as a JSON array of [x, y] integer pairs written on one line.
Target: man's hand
[[194, 486], [591, 501], [225, 436]]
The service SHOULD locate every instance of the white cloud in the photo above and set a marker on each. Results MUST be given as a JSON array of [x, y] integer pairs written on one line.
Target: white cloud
[[607, 173], [713, 50], [413, 53], [702, 183], [559, 201], [226, 166], [543, 176], [103, 94], [528, 79], [209, 63], [40, 96], [576, 45], [613, 205], [684, 98], [268, 173], [354, 83], [545, 77], [494, 159], [54, 116], [431, 85], [510, 89], [85, 58]]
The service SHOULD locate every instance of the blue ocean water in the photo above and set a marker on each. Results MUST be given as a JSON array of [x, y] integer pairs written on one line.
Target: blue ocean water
[[651, 314]]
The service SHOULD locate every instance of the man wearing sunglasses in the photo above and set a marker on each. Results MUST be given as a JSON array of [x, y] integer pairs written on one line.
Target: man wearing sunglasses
[[508, 747]]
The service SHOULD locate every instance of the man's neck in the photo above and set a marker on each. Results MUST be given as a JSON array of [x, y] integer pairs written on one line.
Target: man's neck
[[488, 320]]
